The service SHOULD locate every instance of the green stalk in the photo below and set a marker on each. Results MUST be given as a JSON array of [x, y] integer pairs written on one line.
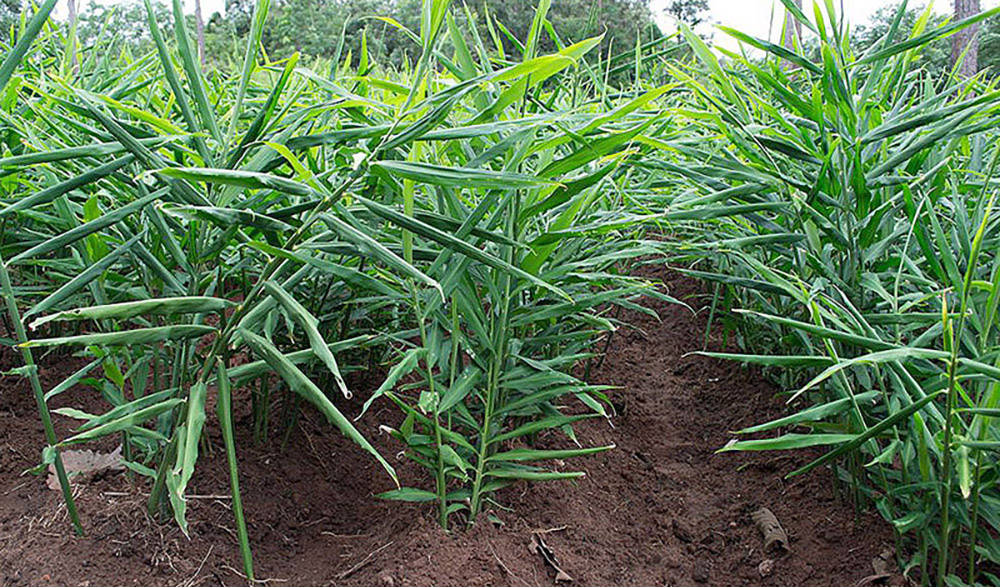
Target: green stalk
[[484, 436], [953, 338], [974, 524], [160, 481], [455, 329], [440, 480], [225, 413], [36, 388], [989, 393], [500, 328], [439, 473], [272, 267], [250, 300], [942, 569]]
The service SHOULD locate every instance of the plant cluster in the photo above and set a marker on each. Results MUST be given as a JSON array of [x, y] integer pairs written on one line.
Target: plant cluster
[[857, 233], [465, 223]]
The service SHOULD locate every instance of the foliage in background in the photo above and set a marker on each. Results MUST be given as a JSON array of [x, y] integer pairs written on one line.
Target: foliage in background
[[122, 25], [315, 27], [690, 12], [935, 56], [343, 29], [10, 11]]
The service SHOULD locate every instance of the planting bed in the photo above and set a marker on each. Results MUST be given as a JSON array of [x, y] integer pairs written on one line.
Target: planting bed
[[661, 509]]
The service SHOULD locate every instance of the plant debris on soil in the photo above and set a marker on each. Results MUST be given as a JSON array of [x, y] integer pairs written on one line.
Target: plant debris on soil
[[662, 509]]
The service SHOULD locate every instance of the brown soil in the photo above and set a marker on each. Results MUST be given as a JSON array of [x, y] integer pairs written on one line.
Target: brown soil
[[660, 510]]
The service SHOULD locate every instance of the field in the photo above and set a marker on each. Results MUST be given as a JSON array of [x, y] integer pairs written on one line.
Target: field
[[499, 316]]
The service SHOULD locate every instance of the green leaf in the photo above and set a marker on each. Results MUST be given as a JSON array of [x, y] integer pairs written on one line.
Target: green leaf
[[456, 244], [788, 442], [187, 452], [938, 33], [83, 279], [229, 217], [123, 423], [13, 58], [127, 337], [403, 367], [379, 251], [526, 454], [459, 177], [814, 413], [76, 182], [897, 355], [243, 179], [126, 310], [534, 475], [75, 234], [860, 439], [310, 324], [408, 494]]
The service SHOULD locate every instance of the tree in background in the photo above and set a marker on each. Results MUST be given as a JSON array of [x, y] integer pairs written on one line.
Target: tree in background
[[690, 12], [988, 51], [624, 22], [793, 28], [199, 24], [935, 57], [314, 27], [966, 41], [123, 24], [238, 16], [793, 32], [71, 14], [9, 11]]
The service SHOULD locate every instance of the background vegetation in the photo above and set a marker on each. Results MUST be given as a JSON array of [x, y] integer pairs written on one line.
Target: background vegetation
[[316, 28]]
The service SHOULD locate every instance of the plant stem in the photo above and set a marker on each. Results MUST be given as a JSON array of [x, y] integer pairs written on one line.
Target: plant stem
[[974, 525], [946, 472], [500, 327], [440, 480], [36, 388], [225, 413], [484, 436]]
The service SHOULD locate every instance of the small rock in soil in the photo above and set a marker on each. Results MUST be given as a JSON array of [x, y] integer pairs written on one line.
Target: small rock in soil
[[766, 567], [883, 563]]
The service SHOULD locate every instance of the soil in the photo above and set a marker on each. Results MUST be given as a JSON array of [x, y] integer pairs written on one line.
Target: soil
[[663, 509]]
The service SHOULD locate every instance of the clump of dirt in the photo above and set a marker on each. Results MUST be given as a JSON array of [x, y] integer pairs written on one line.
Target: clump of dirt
[[662, 509]]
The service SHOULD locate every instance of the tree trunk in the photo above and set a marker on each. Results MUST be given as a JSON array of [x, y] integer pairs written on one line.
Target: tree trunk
[[600, 15], [793, 31], [200, 28], [71, 9], [966, 38]]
